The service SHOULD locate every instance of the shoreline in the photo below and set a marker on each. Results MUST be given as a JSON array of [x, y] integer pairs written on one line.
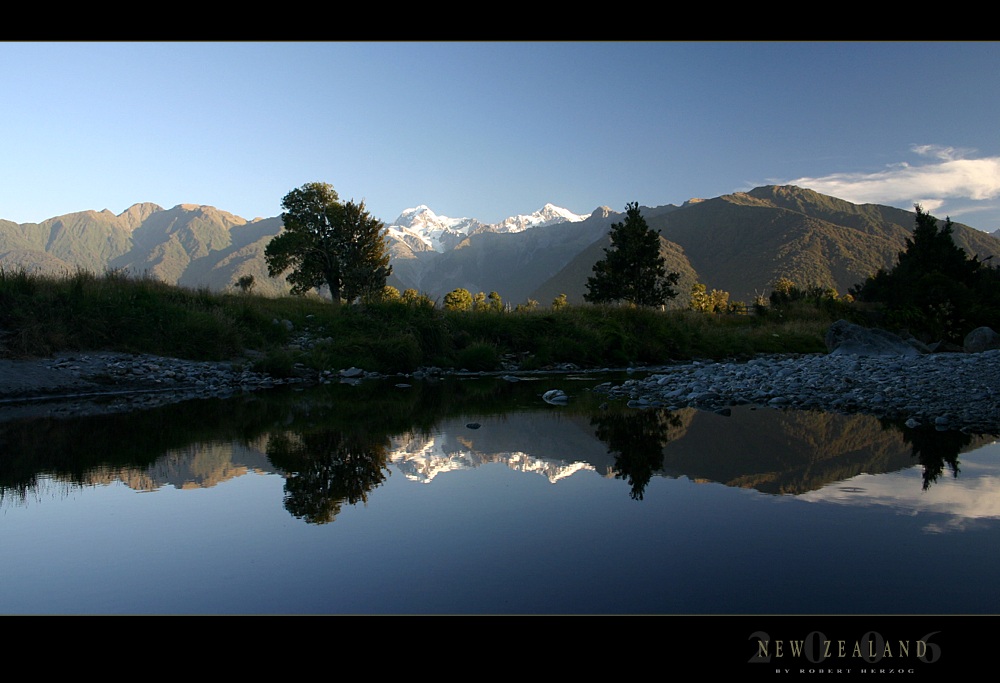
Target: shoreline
[[100, 383], [950, 391]]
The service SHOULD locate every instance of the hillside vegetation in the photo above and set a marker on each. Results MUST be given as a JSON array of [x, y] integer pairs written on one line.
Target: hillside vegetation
[[742, 243], [42, 315], [764, 271]]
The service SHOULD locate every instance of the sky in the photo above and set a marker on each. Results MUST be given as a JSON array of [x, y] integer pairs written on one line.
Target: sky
[[489, 130]]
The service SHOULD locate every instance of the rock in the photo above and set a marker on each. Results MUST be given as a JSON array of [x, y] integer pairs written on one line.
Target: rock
[[981, 339], [555, 396], [849, 339]]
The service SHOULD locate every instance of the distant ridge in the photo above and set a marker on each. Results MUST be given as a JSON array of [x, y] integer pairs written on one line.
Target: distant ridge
[[740, 242]]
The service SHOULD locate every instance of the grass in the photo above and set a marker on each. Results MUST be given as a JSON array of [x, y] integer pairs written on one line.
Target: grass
[[41, 315]]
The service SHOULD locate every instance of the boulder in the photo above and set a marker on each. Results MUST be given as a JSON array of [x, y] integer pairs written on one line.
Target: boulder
[[555, 397], [981, 339], [847, 338]]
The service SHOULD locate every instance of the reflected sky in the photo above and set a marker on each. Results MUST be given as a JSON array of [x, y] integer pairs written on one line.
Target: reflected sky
[[957, 502]]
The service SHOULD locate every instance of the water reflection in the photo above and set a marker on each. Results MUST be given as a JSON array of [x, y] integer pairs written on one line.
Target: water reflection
[[935, 450], [335, 445], [325, 468], [637, 439]]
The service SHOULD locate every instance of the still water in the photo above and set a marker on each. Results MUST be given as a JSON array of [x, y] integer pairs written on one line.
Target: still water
[[476, 496]]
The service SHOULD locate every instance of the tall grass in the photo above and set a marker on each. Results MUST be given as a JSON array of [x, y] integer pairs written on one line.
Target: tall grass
[[41, 315]]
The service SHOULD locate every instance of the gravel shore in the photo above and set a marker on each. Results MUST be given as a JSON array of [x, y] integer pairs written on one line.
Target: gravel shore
[[948, 390], [79, 384], [958, 391]]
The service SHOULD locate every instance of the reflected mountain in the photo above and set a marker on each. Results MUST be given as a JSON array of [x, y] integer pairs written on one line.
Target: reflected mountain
[[549, 442], [335, 444]]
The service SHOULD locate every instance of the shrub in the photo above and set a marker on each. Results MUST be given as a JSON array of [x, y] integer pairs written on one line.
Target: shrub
[[478, 356]]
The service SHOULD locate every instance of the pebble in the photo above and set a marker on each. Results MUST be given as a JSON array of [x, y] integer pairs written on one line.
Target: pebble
[[952, 391]]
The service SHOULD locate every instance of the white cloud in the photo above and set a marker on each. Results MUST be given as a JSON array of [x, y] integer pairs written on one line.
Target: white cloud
[[950, 504], [951, 175]]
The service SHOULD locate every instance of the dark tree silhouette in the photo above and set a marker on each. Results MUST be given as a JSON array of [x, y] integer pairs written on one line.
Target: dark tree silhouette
[[632, 270], [328, 243], [636, 439], [935, 450], [327, 468], [935, 289]]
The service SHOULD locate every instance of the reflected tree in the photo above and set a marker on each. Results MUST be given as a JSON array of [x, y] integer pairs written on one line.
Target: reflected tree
[[935, 450], [636, 439], [327, 468]]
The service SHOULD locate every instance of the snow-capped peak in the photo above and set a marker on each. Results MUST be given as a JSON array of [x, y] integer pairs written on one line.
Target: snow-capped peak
[[441, 233], [547, 215], [437, 232]]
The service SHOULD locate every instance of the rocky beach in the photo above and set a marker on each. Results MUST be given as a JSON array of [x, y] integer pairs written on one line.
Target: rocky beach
[[948, 390], [865, 371], [81, 384], [868, 371]]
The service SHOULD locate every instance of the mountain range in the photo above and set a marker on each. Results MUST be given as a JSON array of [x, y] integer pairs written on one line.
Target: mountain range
[[740, 243]]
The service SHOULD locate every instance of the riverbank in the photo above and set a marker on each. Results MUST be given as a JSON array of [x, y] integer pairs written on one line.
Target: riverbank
[[83, 384], [953, 391], [97, 383]]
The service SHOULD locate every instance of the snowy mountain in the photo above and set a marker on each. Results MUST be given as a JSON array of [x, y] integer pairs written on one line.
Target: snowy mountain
[[547, 215], [740, 243], [423, 230], [525, 444]]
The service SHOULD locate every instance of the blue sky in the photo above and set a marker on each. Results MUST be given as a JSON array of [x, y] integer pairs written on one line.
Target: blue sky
[[494, 129]]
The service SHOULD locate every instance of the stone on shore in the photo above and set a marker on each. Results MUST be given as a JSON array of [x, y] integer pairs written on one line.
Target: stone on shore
[[981, 339], [845, 338], [555, 397]]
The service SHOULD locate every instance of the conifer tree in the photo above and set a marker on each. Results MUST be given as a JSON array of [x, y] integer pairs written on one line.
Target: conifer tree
[[632, 270], [932, 287]]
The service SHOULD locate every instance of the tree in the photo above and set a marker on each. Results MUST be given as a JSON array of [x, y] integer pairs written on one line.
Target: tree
[[388, 293], [632, 270], [415, 298], [458, 300], [699, 298], [494, 302], [329, 243], [716, 301], [935, 288], [246, 283]]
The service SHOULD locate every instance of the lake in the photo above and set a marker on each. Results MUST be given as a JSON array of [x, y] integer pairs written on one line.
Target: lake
[[475, 496]]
